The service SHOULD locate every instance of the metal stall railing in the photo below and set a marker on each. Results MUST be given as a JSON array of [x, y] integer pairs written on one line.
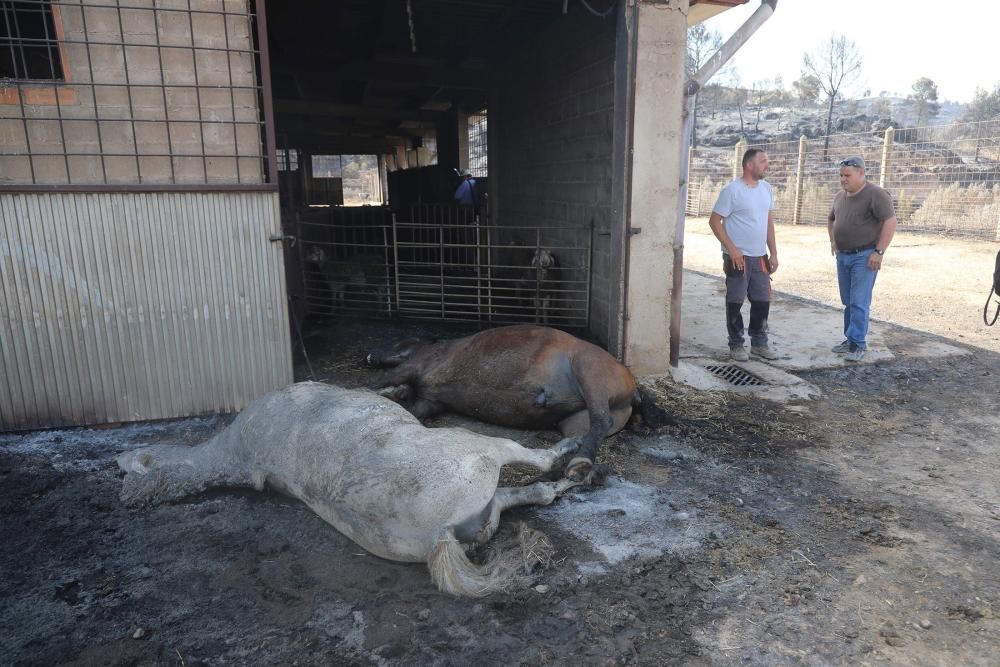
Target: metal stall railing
[[445, 265], [491, 273], [348, 264]]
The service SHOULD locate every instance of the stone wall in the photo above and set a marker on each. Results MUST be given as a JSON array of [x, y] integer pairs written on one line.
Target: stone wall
[[551, 143]]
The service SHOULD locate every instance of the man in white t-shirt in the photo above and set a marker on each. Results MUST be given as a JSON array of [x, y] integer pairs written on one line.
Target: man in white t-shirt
[[742, 221]]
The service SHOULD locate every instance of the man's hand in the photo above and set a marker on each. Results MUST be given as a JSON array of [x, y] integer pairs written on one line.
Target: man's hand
[[738, 260], [875, 261], [773, 261], [833, 248]]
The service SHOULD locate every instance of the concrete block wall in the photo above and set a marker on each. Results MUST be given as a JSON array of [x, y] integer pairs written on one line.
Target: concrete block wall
[[551, 143], [131, 125]]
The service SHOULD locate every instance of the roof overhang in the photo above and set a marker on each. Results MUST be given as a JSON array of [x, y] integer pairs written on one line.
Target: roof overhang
[[702, 10]]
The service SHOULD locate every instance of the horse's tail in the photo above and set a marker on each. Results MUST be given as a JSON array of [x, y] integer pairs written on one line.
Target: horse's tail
[[508, 568], [653, 416]]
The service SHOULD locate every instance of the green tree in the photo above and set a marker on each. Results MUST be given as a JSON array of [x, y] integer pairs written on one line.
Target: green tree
[[985, 106], [806, 88], [836, 64], [923, 101]]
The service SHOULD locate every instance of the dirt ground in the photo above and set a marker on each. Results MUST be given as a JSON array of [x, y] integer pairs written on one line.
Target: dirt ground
[[859, 528], [930, 283]]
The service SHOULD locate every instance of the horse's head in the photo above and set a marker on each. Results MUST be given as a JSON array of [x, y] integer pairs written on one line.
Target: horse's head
[[397, 353], [543, 259]]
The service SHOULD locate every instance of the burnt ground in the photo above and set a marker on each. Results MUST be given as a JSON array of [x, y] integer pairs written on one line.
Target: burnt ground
[[860, 528]]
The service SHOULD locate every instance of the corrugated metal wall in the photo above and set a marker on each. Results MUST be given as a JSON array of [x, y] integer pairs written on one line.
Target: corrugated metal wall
[[133, 306]]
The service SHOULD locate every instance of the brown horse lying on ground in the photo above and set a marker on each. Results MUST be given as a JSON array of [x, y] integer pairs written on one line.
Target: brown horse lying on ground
[[522, 376]]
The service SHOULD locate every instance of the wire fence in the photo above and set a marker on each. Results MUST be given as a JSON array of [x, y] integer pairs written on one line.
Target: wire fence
[[943, 179], [99, 93]]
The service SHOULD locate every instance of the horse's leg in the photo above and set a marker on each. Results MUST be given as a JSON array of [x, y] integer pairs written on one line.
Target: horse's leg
[[424, 409], [510, 453], [595, 395], [578, 423], [608, 408], [393, 377], [538, 493], [396, 392]]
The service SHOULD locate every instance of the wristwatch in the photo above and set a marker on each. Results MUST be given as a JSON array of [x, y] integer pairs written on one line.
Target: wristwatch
[[879, 252]]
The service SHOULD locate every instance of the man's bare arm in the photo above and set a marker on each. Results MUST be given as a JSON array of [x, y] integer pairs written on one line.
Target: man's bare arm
[[772, 246], [715, 223], [884, 239]]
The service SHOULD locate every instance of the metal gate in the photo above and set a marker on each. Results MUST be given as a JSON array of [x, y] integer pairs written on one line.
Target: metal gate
[[472, 270], [445, 263]]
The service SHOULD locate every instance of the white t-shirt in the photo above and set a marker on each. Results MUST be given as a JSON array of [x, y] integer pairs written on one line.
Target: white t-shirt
[[745, 210]]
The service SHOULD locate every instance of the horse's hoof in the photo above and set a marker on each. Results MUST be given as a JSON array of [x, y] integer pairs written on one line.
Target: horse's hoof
[[579, 468], [598, 476], [566, 446], [397, 393]]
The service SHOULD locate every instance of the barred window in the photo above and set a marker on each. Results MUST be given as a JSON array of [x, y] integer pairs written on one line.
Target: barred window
[[29, 48], [288, 160], [478, 158]]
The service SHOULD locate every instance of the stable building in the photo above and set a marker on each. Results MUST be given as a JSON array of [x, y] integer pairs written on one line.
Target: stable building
[[182, 180]]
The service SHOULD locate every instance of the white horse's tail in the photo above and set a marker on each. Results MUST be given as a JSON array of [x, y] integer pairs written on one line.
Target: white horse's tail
[[509, 566]]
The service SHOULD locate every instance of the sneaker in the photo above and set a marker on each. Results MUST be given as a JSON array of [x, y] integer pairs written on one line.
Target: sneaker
[[856, 353], [763, 352], [739, 354], [842, 348]]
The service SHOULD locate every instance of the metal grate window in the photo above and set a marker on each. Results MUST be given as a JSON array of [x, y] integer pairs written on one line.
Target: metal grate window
[[477, 145], [29, 48], [350, 180], [288, 159], [137, 95], [735, 375]]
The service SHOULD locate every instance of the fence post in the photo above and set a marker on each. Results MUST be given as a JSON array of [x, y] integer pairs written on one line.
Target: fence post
[[886, 152], [686, 207], [799, 181], [740, 149]]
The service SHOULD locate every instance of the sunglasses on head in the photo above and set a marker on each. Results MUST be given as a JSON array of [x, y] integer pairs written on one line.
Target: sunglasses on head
[[851, 162]]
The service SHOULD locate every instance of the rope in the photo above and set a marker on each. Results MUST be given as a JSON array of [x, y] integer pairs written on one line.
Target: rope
[[298, 331], [986, 310], [605, 14], [413, 34]]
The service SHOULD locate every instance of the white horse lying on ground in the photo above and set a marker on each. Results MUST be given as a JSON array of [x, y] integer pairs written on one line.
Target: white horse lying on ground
[[368, 467]]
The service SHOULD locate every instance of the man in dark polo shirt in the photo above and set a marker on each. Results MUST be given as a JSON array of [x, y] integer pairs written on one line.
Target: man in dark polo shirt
[[861, 224]]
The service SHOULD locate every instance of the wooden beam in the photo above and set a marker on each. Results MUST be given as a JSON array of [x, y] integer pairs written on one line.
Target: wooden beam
[[316, 65], [320, 109]]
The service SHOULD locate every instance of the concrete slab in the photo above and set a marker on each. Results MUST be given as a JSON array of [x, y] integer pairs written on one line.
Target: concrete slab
[[802, 332]]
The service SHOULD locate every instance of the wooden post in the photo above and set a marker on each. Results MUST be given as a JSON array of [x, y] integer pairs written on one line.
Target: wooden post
[[740, 149], [800, 178], [886, 152]]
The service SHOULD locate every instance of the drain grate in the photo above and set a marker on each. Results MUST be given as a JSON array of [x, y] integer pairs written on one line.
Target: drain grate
[[735, 375]]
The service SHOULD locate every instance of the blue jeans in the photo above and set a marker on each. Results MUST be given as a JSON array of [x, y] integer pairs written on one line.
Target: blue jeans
[[856, 282]]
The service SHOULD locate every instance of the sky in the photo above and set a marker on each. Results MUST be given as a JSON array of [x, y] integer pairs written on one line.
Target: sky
[[899, 40]]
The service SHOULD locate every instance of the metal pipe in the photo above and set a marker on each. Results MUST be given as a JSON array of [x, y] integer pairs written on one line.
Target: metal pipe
[[271, 171], [701, 77]]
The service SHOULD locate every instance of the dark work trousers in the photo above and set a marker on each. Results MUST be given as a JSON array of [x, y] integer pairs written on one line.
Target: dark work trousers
[[754, 282]]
